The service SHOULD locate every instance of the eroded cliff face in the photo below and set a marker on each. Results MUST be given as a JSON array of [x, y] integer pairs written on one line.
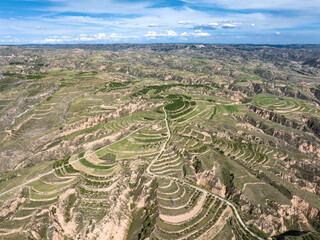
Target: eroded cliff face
[[303, 142], [211, 181], [265, 218], [64, 226], [315, 92], [10, 206], [305, 207], [271, 217], [286, 91], [67, 219], [314, 124], [19, 156], [278, 218], [277, 118], [266, 162], [304, 173]]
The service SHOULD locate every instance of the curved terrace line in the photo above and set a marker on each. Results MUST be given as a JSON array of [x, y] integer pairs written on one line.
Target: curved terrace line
[[193, 186]]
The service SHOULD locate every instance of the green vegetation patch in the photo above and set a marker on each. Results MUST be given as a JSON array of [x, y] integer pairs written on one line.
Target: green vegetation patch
[[36, 76], [214, 112], [162, 88], [177, 104], [54, 143], [188, 116], [110, 157], [91, 165], [147, 140]]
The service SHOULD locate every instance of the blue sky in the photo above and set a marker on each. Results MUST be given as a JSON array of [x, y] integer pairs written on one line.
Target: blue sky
[[159, 21]]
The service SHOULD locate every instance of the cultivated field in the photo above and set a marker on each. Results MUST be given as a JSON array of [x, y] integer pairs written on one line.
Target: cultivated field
[[137, 144]]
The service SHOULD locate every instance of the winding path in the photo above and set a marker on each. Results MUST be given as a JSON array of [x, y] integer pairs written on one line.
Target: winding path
[[193, 186], [151, 174]]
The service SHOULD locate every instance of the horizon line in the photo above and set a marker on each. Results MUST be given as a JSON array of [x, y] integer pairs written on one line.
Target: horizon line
[[70, 44]]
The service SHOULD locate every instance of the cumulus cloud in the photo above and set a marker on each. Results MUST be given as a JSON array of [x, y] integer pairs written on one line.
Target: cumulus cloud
[[153, 34], [166, 22], [172, 33]]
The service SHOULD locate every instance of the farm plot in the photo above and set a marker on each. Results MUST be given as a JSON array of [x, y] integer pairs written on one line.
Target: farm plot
[[146, 141], [136, 118], [169, 164], [91, 164], [252, 154], [182, 111], [193, 140], [186, 213], [283, 105]]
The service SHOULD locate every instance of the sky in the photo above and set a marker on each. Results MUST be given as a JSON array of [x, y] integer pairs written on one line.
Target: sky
[[159, 21]]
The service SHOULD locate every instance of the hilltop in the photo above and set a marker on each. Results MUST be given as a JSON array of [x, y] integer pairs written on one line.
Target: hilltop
[[160, 141]]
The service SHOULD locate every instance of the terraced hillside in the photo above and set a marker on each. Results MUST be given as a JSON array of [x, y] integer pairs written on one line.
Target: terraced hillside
[[161, 143]]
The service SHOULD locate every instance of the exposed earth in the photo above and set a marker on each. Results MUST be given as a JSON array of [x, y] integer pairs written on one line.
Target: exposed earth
[[160, 141]]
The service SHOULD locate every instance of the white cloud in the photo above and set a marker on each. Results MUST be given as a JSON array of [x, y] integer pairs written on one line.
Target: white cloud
[[151, 34], [277, 33], [154, 25], [258, 4], [14, 41], [119, 36], [167, 22], [101, 36], [82, 38], [202, 34], [196, 34], [184, 22], [98, 6], [172, 33], [228, 25]]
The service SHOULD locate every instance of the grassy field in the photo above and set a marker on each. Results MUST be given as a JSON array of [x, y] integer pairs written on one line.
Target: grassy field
[[89, 122]]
